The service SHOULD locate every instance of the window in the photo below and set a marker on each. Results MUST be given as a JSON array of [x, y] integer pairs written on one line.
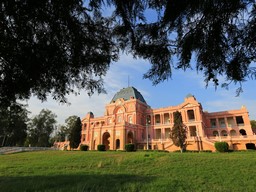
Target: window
[[222, 122], [239, 120], [84, 126], [224, 133], [215, 133], [167, 133], [233, 133], [166, 118], [148, 120], [158, 133], [230, 121], [191, 115], [192, 130], [157, 119], [119, 119], [213, 123], [130, 119]]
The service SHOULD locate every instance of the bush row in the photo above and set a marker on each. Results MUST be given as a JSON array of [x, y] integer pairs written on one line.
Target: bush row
[[221, 146]]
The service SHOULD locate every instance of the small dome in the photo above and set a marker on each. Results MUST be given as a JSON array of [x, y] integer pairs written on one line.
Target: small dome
[[90, 114], [127, 93]]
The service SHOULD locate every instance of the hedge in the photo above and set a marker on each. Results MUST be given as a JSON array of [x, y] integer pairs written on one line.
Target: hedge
[[221, 146], [130, 147], [101, 147], [84, 147]]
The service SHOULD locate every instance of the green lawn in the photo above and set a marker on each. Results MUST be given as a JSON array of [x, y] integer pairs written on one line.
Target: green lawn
[[122, 171]]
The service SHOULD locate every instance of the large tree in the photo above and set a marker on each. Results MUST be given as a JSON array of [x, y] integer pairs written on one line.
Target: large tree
[[13, 124], [40, 128], [57, 46], [64, 131], [75, 136], [179, 131]]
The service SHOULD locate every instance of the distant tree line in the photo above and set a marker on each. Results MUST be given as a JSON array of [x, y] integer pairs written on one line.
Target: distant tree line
[[17, 129]]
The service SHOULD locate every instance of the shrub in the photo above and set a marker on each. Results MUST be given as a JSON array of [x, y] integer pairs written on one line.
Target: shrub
[[84, 147], [221, 146], [101, 147], [130, 147]]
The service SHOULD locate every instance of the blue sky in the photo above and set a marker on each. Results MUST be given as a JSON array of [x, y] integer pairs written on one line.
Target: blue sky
[[169, 93]]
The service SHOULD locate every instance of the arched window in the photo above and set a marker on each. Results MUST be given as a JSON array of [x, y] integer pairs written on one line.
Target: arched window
[[223, 133], [130, 119], [233, 133], [215, 133], [119, 119], [242, 132]]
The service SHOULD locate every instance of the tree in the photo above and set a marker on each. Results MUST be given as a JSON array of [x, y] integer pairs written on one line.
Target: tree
[[13, 124], [179, 131], [64, 131], [253, 125], [40, 128], [57, 46], [75, 136]]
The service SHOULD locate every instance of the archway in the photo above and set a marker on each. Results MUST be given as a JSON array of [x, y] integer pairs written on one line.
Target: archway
[[223, 133], [130, 137], [233, 133], [118, 144], [242, 132], [250, 146], [105, 140], [215, 133]]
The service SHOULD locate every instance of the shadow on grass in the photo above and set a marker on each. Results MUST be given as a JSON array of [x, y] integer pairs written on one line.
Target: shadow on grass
[[82, 182]]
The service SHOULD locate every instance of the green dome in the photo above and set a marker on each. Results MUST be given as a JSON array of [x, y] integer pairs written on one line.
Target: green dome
[[127, 93]]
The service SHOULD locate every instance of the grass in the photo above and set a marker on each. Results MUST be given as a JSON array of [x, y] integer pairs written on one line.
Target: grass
[[132, 172]]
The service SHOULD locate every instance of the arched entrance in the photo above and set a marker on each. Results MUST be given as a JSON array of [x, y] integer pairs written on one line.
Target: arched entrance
[[105, 140], [250, 146], [130, 137], [118, 144], [242, 132]]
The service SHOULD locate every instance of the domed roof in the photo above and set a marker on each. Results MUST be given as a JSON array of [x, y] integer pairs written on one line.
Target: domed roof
[[127, 93]]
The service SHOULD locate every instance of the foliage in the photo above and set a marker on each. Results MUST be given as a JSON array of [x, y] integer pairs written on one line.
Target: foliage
[[179, 131], [101, 147], [13, 124], [40, 128], [84, 147], [253, 124], [52, 47], [75, 135], [129, 147], [58, 46], [221, 146], [60, 134], [73, 171], [63, 132]]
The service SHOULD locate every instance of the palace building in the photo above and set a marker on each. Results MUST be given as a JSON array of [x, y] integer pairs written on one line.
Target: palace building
[[129, 119]]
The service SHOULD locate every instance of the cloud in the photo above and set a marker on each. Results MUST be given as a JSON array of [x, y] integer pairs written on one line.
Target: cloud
[[80, 105]]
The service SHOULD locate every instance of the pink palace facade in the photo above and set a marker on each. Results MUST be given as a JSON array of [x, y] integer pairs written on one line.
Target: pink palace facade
[[129, 119]]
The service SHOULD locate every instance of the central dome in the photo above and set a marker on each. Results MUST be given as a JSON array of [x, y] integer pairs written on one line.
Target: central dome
[[127, 93]]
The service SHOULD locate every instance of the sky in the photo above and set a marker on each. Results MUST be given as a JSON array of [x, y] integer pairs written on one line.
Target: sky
[[168, 93]]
